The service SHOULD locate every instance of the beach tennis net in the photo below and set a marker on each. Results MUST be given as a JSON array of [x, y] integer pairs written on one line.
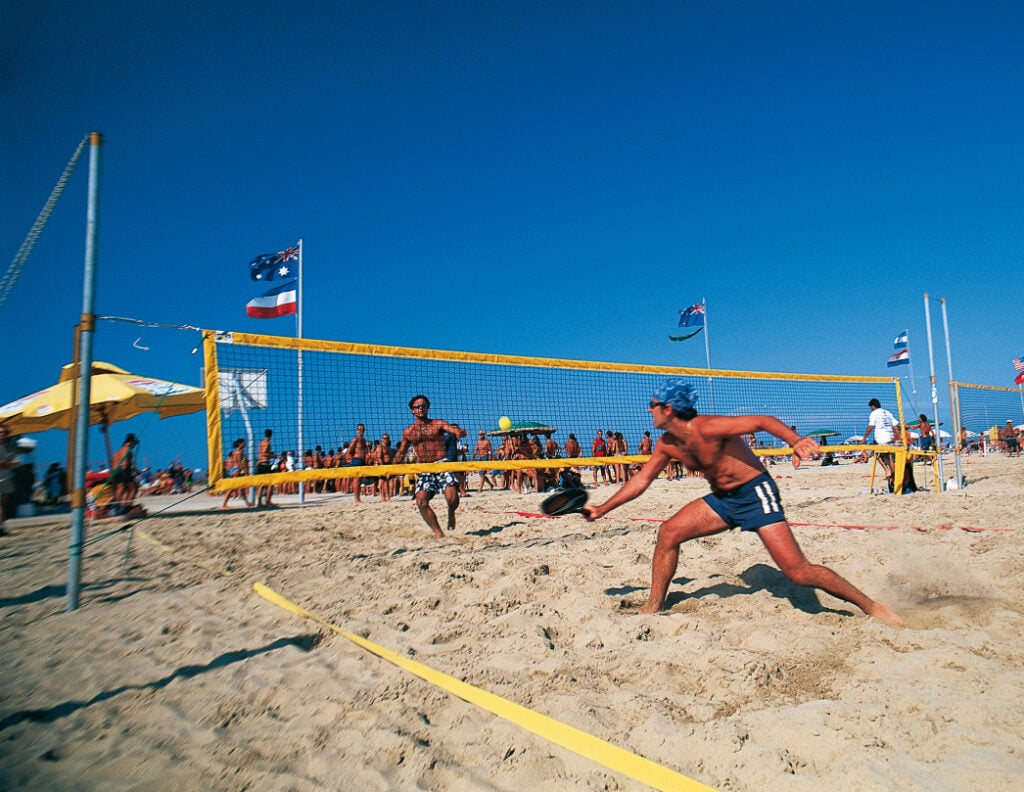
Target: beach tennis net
[[985, 409], [313, 393]]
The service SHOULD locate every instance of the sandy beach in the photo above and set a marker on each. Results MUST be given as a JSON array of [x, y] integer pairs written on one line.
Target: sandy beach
[[174, 674]]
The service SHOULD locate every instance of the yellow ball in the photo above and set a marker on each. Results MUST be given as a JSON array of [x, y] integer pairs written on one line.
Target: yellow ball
[[504, 423]]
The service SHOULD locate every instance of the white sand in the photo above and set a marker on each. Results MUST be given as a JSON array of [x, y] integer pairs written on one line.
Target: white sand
[[171, 676]]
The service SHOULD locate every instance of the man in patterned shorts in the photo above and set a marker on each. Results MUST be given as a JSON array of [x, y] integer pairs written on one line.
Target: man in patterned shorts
[[426, 436]]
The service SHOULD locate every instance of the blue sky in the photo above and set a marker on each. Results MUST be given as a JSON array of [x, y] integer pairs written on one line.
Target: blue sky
[[554, 179]]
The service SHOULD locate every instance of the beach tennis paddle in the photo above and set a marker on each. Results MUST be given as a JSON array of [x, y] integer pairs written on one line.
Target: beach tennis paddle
[[567, 501]]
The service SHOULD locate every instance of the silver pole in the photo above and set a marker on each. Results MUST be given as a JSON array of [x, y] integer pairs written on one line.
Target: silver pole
[[935, 394], [955, 413], [85, 371], [707, 352], [910, 360]]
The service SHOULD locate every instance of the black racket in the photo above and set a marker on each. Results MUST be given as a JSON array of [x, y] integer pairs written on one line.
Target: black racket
[[567, 501]]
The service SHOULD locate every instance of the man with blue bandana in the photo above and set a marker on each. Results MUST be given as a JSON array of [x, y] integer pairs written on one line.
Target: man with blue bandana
[[743, 494]]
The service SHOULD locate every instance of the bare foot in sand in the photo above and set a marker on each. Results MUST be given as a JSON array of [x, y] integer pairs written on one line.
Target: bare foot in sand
[[882, 611]]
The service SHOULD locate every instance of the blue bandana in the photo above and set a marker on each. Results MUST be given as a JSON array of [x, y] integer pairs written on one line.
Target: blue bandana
[[677, 393]]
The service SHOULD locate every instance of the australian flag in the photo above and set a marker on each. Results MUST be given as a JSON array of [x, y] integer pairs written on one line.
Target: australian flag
[[268, 266], [693, 316]]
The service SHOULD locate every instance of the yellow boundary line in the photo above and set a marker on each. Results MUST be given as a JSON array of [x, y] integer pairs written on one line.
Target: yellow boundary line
[[575, 740]]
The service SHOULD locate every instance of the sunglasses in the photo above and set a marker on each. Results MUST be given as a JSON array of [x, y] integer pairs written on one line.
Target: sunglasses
[[654, 404], [420, 406]]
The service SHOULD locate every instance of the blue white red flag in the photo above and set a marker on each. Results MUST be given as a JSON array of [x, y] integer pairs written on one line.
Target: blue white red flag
[[268, 266], [901, 341], [900, 358], [694, 316], [1018, 364], [280, 301]]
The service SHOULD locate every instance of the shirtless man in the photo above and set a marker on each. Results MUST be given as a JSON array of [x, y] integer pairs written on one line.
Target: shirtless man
[[384, 455], [598, 448], [357, 452], [122, 474], [484, 452], [236, 464], [743, 494], [264, 465], [426, 436]]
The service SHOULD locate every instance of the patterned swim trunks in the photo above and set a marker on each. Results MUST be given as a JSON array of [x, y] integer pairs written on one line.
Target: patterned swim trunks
[[436, 482]]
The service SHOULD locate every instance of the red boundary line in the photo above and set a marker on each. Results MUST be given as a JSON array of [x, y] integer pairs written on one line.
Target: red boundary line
[[966, 528]]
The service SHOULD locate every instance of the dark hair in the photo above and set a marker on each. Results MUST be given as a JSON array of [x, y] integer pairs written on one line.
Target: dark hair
[[922, 417], [239, 442], [874, 403], [417, 398], [268, 432], [686, 413], [130, 439]]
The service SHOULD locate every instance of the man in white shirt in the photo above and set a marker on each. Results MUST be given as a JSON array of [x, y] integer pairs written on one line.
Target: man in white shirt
[[883, 423]]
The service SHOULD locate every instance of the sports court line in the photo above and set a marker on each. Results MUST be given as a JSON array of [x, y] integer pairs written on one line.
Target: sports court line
[[967, 528], [586, 745]]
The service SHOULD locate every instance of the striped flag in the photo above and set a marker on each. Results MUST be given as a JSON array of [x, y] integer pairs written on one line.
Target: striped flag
[[283, 299], [902, 341], [1018, 364], [280, 301], [900, 358]]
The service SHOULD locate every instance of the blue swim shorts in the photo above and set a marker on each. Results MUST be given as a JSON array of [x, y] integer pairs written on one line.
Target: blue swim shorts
[[436, 482], [750, 506]]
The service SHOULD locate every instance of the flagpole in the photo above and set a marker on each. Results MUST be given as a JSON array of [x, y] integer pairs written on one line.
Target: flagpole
[[935, 399], [298, 331], [910, 360], [88, 327], [955, 414], [707, 352]]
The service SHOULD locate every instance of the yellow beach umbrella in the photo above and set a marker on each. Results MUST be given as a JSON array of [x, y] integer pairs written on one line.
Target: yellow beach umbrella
[[116, 395]]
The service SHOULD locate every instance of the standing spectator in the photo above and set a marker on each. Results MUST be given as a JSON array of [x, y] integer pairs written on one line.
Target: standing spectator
[[356, 454], [597, 449], [1010, 439], [236, 465], [9, 460], [551, 449], [265, 465], [883, 423], [483, 451], [384, 455], [927, 433], [122, 475]]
